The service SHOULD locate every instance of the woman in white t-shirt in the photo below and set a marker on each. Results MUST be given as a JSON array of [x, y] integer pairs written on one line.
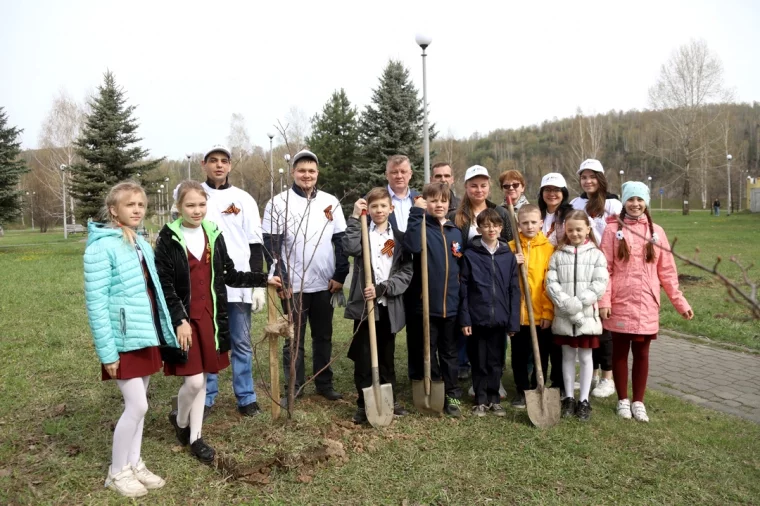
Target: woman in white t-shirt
[[553, 201]]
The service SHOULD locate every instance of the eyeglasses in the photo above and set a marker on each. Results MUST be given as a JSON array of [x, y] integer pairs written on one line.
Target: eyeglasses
[[514, 186]]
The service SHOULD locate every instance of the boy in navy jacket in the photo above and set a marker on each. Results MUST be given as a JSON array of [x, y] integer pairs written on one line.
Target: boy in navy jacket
[[489, 309], [444, 247]]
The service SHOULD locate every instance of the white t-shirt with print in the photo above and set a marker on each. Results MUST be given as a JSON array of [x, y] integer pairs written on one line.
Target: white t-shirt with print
[[308, 227], [237, 215], [598, 224]]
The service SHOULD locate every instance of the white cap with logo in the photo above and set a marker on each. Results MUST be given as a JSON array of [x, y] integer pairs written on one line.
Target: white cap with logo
[[217, 148], [591, 164], [553, 179], [475, 171]]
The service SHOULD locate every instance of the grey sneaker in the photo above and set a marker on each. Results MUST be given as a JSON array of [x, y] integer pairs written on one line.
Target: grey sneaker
[[497, 409], [479, 410]]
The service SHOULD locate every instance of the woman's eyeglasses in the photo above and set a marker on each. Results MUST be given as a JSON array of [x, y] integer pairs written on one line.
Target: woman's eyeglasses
[[514, 186]]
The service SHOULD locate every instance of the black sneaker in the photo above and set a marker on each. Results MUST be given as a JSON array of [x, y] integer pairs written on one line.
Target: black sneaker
[[463, 373], [399, 410], [583, 411], [451, 407], [518, 402], [568, 407], [360, 416], [201, 451], [251, 409], [330, 394], [183, 434]]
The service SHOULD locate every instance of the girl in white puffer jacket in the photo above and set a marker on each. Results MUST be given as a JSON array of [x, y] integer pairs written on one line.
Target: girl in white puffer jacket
[[576, 280]]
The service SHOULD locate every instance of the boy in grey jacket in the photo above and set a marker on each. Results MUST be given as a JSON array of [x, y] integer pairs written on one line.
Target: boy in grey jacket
[[391, 274]]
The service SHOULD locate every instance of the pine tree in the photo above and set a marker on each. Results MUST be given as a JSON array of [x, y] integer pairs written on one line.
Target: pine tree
[[391, 125], [108, 147], [334, 139], [11, 168]]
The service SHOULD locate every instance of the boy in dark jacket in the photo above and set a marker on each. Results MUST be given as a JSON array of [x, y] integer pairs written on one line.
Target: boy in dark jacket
[[444, 247], [489, 308], [391, 274]]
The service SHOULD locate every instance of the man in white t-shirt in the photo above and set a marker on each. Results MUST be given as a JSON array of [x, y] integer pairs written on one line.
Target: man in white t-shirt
[[303, 230], [237, 215]]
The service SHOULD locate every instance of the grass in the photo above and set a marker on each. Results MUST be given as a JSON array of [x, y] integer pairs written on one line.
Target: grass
[[56, 418]]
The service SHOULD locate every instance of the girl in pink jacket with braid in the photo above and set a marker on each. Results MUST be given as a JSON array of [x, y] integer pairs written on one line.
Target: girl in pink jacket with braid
[[630, 308]]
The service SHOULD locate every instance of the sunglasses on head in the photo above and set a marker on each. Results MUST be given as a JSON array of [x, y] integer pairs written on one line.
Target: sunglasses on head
[[514, 186]]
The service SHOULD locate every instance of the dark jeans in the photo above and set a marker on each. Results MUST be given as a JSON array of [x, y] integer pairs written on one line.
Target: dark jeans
[[443, 352], [359, 352], [486, 348], [317, 309], [603, 354], [522, 353], [462, 350]]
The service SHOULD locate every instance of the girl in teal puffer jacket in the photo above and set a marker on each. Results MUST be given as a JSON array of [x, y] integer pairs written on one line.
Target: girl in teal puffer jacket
[[129, 320]]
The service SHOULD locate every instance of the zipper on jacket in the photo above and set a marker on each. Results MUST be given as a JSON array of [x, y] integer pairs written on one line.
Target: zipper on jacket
[[575, 280], [189, 284], [150, 305], [446, 278], [493, 289], [123, 322]]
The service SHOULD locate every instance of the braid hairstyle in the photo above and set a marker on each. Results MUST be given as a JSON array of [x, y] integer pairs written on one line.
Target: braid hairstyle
[[623, 252], [579, 215], [623, 249], [650, 255]]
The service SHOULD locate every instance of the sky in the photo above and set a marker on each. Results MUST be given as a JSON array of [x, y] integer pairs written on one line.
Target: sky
[[188, 66]]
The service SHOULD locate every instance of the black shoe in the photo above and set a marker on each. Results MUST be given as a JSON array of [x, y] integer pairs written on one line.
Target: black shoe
[[251, 409], [568, 407], [330, 394], [451, 407], [183, 435], [360, 416], [284, 399], [518, 402], [399, 410], [583, 411], [201, 451], [207, 411], [464, 373]]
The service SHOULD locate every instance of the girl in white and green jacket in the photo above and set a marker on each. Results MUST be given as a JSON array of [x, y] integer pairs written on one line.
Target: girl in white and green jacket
[[129, 320]]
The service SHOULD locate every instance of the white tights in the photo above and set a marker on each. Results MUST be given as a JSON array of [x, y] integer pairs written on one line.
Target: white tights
[[127, 436], [568, 370], [190, 403]]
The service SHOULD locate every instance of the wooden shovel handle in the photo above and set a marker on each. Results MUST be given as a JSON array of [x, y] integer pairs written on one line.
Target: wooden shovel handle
[[274, 345], [528, 300], [367, 262], [425, 306]]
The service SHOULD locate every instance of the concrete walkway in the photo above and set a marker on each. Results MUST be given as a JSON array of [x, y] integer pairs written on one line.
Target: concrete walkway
[[712, 377]]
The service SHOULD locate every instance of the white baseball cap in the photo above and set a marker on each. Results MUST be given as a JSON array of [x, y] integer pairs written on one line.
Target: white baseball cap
[[304, 153], [591, 164], [217, 148], [553, 179], [474, 171]]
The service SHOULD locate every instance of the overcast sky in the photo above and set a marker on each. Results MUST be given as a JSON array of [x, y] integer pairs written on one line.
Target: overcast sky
[[188, 65]]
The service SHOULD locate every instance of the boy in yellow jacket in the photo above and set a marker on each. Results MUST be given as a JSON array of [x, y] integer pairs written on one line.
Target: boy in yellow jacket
[[537, 250]]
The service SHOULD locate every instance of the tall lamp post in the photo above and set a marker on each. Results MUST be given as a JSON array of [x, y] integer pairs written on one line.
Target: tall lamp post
[[649, 178], [188, 166], [424, 41], [31, 205], [271, 165], [63, 183], [728, 173], [281, 171], [622, 180], [287, 161]]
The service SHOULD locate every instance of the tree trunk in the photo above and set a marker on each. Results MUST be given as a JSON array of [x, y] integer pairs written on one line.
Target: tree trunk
[[686, 189]]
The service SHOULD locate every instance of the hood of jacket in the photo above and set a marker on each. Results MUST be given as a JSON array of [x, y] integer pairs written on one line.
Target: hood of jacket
[[97, 231]]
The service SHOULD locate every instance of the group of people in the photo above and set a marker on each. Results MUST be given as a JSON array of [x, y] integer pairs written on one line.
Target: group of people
[[594, 269]]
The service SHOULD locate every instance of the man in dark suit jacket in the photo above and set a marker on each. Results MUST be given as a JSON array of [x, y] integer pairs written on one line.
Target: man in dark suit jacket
[[442, 172]]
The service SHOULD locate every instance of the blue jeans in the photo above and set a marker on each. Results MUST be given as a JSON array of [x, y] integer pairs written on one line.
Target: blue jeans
[[241, 357]]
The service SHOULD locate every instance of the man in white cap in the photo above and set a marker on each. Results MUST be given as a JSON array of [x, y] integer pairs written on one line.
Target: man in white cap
[[303, 230], [237, 215]]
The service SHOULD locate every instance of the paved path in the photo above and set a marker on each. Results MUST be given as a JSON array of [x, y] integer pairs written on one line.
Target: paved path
[[716, 378]]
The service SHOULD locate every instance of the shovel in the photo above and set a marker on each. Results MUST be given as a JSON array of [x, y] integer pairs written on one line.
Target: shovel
[[274, 345], [543, 403], [378, 399], [428, 395]]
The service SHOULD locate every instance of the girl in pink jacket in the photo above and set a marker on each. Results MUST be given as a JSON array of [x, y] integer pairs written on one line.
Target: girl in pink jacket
[[630, 307]]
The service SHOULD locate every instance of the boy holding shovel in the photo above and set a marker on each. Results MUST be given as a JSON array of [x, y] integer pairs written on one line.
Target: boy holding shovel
[[391, 274]]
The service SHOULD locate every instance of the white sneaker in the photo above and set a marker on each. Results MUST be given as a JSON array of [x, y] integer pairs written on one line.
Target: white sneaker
[[594, 381], [502, 391], [624, 409], [125, 482], [605, 388], [639, 412], [147, 478], [471, 392]]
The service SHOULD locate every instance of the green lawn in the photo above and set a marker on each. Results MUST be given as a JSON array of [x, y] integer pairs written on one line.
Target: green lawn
[[56, 418]]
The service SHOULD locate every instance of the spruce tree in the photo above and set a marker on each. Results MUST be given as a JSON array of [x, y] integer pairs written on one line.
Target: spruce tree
[[391, 124], [11, 168], [108, 146], [334, 139]]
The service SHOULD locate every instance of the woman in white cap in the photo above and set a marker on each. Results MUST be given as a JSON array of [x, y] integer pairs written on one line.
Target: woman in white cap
[[598, 205], [553, 202], [477, 187]]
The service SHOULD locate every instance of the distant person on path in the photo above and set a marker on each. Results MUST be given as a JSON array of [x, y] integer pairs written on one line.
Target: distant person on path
[[191, 256], [576, 280], [237, 215], [441, 173], [303, 231], [512, 184], [598, 205], [716, 207], [129, 320], [639, 263]]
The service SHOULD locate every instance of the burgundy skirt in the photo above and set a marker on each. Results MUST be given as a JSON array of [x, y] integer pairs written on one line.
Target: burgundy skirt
[[135, 364], [636, 338], [578, 341], [202, 355]]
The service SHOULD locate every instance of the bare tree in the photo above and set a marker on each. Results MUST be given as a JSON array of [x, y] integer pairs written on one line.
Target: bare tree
[[239, 143], [587, 136], [691, 79]]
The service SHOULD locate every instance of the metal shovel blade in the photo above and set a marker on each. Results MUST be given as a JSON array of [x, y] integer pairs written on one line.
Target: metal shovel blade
[[543, 406], [432, 403], [379, 408]]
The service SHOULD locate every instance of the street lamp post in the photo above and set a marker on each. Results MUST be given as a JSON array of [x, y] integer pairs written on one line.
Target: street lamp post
[[281, 171], [622, 180], [649, 178], [63, 183], [728, 173], [271, 165], [31, 205], [424, 41], [287, 174], [188, 167]]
